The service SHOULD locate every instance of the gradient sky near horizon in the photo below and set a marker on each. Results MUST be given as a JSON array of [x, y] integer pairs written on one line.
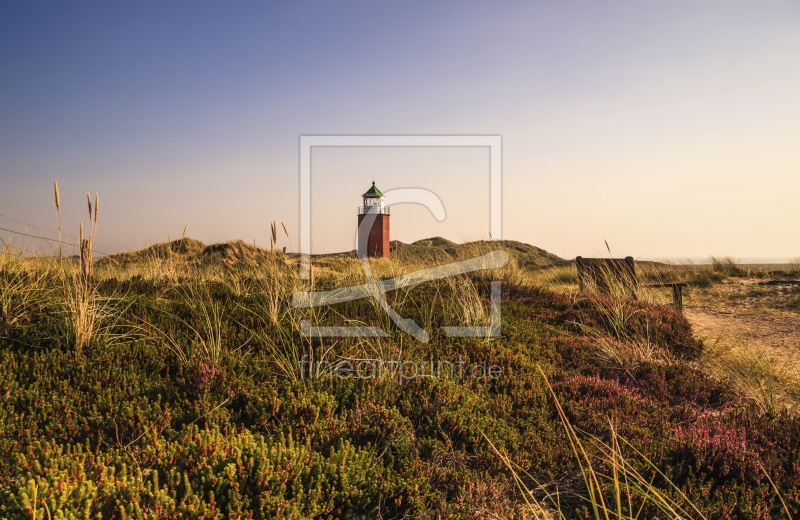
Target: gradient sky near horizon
[[671, 129]]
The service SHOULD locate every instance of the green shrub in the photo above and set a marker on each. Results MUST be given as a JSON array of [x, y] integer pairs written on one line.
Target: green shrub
[[136, 429]]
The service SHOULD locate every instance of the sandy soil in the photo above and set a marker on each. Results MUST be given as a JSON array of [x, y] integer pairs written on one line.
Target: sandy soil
[[748, 311]]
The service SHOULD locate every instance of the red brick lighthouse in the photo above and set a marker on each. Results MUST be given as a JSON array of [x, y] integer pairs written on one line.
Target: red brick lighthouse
[[378, 239]]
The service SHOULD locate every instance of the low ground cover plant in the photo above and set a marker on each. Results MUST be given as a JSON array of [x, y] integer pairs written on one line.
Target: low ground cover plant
[[188, 403]]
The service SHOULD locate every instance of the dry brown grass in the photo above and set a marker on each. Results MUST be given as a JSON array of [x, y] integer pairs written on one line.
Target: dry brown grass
[[771, 383], [86, 315], [794, 266], [25, 287], [616, 465]]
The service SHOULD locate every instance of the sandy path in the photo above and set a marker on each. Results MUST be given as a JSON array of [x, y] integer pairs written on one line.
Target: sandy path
[[779, 332]]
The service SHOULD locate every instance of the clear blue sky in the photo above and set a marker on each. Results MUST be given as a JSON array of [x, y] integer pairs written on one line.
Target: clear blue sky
[[668, 128]]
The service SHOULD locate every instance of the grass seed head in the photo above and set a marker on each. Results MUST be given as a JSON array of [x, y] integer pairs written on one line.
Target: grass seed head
[[57, 195]]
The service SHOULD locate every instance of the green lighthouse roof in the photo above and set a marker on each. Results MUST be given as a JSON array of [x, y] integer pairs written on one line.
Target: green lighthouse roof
[[373, 192]]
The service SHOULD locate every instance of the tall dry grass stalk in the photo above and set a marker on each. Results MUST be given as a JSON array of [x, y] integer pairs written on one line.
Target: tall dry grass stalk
[[462, 302], [164, 266], [87, 244], [618, 478], [537, 506], [726, 265], [559, 278], [770, 383], [626, 355], [86, 314], [58, 214], [206, 343], [286, 232], [25, 288], [270, 286], [612, 294], [794, 266], [271, 281]]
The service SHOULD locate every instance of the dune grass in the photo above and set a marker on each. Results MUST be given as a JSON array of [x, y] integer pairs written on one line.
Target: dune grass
[[607, 407], [615, 486]]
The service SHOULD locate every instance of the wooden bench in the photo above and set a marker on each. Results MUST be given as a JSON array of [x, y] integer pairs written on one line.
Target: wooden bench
[[605, 273]]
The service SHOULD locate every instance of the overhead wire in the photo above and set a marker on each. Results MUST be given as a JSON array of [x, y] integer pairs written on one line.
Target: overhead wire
[[49, 239], [40, 228]]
